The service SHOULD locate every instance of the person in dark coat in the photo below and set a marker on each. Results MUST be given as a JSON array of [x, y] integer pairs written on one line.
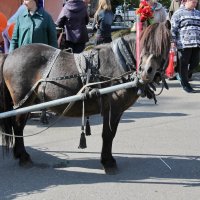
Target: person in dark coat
[[74, 18]]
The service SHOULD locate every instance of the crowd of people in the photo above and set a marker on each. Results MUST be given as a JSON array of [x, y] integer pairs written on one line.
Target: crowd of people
[[34, 25]]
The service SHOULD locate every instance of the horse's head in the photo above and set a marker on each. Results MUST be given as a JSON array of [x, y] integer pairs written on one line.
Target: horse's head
[[154, 45], [149, 66]]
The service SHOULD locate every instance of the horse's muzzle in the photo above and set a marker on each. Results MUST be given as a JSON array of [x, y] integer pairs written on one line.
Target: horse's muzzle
[[147, 70]]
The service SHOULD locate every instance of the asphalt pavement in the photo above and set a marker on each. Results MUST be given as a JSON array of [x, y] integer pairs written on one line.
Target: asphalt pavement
[[157, 148]]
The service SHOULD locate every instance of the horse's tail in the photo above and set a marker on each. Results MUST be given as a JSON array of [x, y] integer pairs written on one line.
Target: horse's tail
[[5, 105]]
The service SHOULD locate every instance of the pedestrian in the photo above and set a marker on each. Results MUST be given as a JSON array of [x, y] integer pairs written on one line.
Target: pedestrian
[[86, 2], [33, 25], [103, 19], [175, 4], [88, 5], [186, 38], [159, 13], [73, 18], [5, 34]]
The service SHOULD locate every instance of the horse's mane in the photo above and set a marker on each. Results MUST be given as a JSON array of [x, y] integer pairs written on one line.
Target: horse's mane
[[129, 37], [155, 39]]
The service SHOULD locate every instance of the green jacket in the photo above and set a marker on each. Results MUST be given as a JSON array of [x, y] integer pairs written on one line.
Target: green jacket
[[36, 28]]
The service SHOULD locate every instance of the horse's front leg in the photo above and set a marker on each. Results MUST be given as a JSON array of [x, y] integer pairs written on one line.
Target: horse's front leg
[[19, 150], [110, 124]]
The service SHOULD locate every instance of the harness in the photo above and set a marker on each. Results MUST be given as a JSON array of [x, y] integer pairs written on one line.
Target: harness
[[88, 67], [50, 65], [88, 63], [123, 54]]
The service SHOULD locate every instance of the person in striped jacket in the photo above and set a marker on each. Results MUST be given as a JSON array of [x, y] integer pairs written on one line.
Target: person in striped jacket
[[185, 29]]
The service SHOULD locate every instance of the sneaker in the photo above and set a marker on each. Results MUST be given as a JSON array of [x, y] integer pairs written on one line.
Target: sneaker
[[189, 89]]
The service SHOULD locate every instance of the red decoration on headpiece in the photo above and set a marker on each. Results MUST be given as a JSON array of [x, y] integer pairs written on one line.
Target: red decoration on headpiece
[[144, 11]]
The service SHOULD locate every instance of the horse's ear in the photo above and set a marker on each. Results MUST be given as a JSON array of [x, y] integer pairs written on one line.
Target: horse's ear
[[168, 24]]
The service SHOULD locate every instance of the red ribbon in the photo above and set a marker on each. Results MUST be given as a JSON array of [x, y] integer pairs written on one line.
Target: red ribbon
[[138, 33]]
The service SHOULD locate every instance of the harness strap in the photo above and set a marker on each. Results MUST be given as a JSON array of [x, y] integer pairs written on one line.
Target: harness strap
[[125, 51], [50, 65], [87, 62], [123, 54]]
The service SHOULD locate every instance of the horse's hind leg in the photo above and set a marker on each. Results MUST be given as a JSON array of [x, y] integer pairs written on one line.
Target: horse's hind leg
[[19, 150], [110, 124]]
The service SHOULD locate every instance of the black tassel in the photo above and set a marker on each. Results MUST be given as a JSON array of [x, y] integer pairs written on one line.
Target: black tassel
[[87, 127], [82, 144]]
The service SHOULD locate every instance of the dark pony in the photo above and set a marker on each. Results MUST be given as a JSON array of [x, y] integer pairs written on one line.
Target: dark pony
[[36, 73]]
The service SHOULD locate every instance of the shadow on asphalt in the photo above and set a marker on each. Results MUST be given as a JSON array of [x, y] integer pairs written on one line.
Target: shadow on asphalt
[[127, 117], [194, 83], [50, 171]]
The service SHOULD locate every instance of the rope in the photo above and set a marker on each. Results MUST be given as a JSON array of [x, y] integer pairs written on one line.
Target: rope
[[160, 90]]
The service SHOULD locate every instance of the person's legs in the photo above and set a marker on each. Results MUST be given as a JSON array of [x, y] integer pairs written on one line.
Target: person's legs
[[98, 41], [75, 47], [68, 46], [107, 39], [194, 61], [78, 47], [184, 56], [101, 40]]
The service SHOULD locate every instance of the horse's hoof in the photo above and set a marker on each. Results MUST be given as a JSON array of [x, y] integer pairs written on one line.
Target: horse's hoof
[[25, 161], [16, 156], [111, 171], [28, 164], [110, 167]]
